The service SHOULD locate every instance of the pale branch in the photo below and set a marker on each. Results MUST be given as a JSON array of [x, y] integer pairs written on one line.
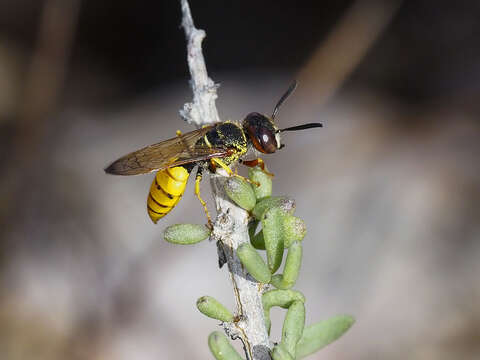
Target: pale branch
[[231, 229], [202, 110], [231, 225]]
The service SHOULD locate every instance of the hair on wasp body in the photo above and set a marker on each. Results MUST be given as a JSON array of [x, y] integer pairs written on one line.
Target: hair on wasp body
[[218, 145]]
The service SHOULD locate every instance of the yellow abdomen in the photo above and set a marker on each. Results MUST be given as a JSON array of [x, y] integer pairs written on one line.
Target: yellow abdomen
[[166, 191]]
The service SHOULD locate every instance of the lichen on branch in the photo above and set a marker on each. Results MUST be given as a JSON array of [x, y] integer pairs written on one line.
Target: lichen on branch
[[202, 110]]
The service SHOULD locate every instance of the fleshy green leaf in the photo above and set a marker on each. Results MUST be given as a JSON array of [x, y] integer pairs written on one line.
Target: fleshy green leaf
[[273, 236], [265, 189], [292, 268], [282, 202], [252, 227], [319, 335], [279, 352], [294, 229], [240, 192], [254, 263], [282, 298], [277, 281], [210, 307], [221, 347], [186, 234], [293, 326], [257, 241]]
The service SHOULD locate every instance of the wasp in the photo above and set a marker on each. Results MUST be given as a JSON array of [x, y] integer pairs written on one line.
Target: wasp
[[218, 145]]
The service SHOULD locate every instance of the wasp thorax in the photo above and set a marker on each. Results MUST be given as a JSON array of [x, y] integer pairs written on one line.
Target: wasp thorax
[[261, 131]]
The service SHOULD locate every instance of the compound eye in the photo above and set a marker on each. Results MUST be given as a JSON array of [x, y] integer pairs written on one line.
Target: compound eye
[[261, 132], [266, 140]]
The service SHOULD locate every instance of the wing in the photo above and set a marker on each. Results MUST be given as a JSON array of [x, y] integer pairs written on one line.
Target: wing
[[179, 150]]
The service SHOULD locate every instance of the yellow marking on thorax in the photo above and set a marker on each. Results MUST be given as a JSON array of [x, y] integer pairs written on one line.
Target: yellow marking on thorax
[[206, 141]]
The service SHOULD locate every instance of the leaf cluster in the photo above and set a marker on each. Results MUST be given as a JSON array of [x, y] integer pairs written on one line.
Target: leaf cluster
[[280, 232]]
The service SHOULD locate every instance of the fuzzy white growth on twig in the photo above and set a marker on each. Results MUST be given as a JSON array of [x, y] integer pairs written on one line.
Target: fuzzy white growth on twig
[[202, 110], [231, 225]]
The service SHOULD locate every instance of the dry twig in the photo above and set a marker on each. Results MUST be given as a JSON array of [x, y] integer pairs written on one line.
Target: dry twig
[[230, 227]]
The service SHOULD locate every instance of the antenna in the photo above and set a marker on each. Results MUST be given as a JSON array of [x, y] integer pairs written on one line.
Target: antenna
[[284, 97], [302, 127]]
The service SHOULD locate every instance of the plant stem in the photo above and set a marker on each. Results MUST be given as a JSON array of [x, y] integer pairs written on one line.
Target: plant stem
[[230, 227], [202, 110]]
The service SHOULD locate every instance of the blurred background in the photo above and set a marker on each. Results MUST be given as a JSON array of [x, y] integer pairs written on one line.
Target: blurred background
[[389, 188]]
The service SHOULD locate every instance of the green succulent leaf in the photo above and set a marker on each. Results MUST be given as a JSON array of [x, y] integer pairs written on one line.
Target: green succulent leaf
[[294, 229], [257, 241], [273, 237], [320, 334], [293, 326], [221, 348], [240, 192], [281, 298], [254, 263], [265, 189], [292, 268], [210, 307], [293, 263], [279, 352], [252, 227], [277, 281], [186, 234], [282, 202]]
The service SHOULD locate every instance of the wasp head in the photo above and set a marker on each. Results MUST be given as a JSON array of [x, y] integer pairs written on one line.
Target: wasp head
[[262, 132]]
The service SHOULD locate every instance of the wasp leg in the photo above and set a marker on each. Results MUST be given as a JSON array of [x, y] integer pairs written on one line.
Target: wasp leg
[[230, 172], [257, 162], [224, 166], [198, 178]]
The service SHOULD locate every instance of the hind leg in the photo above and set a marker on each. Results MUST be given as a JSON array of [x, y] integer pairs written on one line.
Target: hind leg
[[198, 178], [229, 171]]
